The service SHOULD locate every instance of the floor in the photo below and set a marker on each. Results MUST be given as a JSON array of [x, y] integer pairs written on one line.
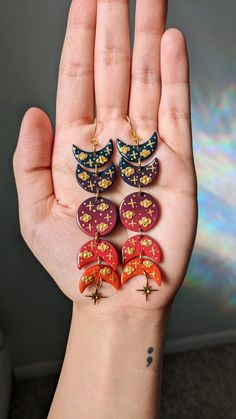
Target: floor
[[196, 385]]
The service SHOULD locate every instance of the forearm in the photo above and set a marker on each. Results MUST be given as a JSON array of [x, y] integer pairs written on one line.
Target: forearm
[[109, 370]]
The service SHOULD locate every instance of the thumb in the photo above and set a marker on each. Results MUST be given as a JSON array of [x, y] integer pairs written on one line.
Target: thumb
[[32, 167]]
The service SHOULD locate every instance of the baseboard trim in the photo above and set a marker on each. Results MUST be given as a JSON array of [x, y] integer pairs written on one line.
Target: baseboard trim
[[42, 369], [200, 341], [39, 369]]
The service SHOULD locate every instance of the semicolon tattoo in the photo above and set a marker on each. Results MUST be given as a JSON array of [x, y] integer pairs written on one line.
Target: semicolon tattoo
[[149, 358]]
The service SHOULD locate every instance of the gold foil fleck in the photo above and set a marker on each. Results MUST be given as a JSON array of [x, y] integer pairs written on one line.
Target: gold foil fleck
[[82, 156], [146, 242], [84, 176], [128, 214], [105, 183], [86, 218], [102, 227], [128, 171], [145, 222], [103, 247], [146, 203]]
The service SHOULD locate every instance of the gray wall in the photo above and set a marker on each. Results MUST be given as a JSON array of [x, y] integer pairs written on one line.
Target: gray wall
[[31, 35]]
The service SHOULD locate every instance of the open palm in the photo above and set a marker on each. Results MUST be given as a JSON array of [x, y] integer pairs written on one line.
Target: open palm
[[96, 62]]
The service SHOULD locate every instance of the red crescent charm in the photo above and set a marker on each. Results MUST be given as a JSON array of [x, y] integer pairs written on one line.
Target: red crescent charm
[[138, 245], [140, 266], [96, 273], [94, 250]]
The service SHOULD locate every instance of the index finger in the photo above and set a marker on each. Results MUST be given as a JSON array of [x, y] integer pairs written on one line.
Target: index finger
[[75, 95]]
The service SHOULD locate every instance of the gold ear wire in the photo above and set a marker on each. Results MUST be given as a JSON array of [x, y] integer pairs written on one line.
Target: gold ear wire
[[94, 139], [135, 136]]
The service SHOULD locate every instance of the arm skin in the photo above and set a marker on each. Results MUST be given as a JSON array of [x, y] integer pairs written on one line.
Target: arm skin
[[105, 372]]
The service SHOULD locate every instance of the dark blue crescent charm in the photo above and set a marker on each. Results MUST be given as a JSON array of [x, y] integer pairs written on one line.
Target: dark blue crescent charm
[[135, 152], [90, 159], [91, 183], [138, 177]]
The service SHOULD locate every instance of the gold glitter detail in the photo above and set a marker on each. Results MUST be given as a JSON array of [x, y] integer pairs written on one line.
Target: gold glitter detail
[[101, 159], [86, 254], [146, 203], [129, 269], [145, 222], [82, 156], [86, 218], [105, 271], [145, 179], [102, 227], [105, 183], [148, 263], [84, 176], [103, 247], [125, 149], [146, 242], [145, 153], [130, 250], [128, 171], [128, 214], [88, 279], [102, 207]]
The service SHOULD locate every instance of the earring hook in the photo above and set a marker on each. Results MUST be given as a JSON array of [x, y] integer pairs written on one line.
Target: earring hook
[[94, 139], [134, 133]]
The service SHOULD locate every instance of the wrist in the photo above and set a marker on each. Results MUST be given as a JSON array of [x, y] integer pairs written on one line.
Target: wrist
[[121, 351], [130, 317]]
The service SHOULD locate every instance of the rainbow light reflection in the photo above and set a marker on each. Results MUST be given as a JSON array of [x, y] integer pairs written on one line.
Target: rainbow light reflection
[[213, 264]]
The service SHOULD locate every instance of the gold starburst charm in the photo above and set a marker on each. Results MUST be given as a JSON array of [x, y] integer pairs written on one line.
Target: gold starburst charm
[[95, 296], [147, 290]]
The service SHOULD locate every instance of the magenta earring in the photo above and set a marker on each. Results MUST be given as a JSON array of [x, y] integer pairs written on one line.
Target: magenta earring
[[139, 211]]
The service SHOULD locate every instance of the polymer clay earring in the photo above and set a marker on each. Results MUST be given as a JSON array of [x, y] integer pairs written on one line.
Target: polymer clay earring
[[96, 217], [139, 211]]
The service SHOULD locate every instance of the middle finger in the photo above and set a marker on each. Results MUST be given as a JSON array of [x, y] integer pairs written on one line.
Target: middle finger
[[112, 59]]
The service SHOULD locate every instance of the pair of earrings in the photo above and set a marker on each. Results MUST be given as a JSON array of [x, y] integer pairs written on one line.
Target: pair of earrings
[[97, 216]]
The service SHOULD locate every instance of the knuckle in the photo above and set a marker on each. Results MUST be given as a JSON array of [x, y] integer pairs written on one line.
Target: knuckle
[[175, 113], [146, 76], [113, 1], [75, 69], [111, 56]]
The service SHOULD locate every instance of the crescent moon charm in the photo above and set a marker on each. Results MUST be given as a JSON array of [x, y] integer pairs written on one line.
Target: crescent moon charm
[[94, 250], [139, 266], [136, 176], [136, 246], [97, 273], [90, 159], [92, 182], [134, 153]]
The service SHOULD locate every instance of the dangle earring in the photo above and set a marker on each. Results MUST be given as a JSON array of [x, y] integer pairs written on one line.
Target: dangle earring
[[96, 217], [139, 211]]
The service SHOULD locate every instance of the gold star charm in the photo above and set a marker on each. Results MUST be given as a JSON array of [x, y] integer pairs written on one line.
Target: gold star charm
[[95, 296], [147, 290]]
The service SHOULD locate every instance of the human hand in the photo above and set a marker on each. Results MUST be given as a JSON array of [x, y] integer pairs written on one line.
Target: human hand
[[156, 97]]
